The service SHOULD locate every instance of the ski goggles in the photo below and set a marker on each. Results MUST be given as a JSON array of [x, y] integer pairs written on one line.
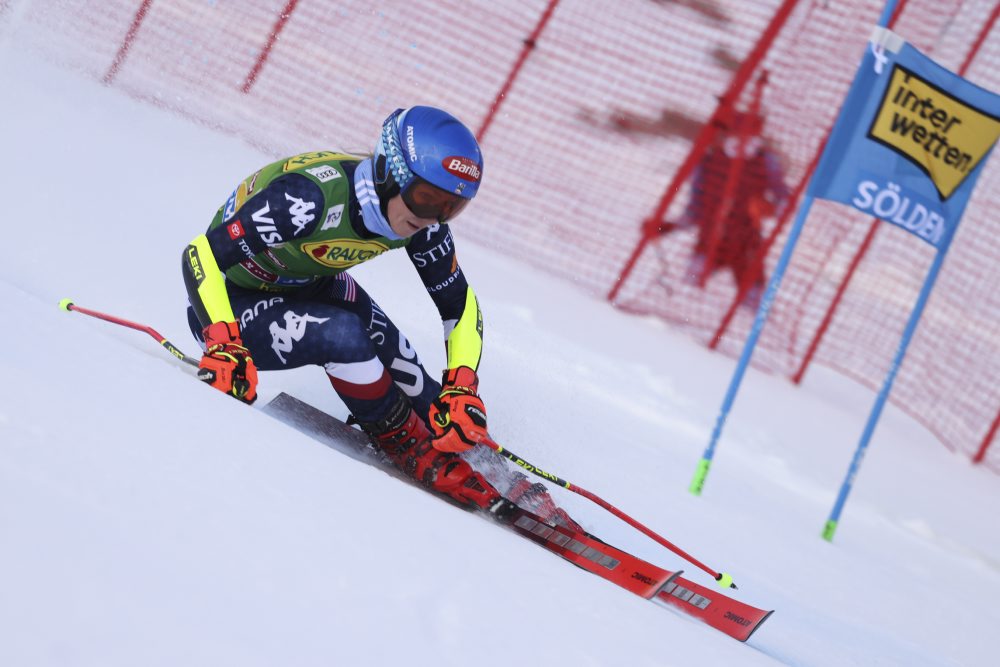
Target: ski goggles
[[426, 200]]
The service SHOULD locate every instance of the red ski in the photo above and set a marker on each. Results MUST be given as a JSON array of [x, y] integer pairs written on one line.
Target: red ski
[[736, 619]]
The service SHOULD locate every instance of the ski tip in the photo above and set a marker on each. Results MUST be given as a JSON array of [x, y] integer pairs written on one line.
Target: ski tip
[[725, 580], [65, 304]]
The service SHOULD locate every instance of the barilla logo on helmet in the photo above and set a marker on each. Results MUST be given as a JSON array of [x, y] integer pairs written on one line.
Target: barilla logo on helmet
[[462, 167]]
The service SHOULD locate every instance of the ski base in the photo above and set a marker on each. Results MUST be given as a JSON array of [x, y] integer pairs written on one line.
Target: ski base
[[732, 617]]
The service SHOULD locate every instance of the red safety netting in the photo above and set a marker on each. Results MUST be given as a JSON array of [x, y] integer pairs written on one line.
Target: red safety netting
[[588, 136], [948, 380]]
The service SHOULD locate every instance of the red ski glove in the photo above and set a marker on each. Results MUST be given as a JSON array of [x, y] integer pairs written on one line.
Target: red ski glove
[[458, 416], [226, 364]]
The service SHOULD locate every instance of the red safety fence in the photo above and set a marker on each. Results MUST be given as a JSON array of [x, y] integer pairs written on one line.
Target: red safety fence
[[597, 107]]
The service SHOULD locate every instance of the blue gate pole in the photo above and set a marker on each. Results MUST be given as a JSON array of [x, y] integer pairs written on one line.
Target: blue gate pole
[[758, 324], [772, 287], [859, 454]]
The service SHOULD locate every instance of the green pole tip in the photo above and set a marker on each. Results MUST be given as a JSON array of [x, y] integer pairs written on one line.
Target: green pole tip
[[828, 530], [65, 304], [699, 477], [725, 580]]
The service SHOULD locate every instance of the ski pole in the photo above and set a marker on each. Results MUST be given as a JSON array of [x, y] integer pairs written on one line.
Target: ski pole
[[725, 580], [68, 305]]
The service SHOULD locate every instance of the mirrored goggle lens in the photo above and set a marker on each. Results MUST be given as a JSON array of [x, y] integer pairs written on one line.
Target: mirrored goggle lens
[[429, 201]]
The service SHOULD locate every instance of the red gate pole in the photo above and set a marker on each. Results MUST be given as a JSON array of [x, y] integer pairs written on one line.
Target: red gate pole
[[529, 46], [140, 15], [990, 22], [987, 441], [740, 79], [279, 25], [976, 45]]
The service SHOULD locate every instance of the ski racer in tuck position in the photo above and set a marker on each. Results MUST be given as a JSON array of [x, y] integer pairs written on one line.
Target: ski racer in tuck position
[[269, 290]]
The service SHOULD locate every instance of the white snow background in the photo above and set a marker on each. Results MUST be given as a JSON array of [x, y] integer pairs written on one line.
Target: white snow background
[[146, 519]]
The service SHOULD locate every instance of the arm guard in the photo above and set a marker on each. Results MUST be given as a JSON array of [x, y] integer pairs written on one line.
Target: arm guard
[[205, 284], [464, 342]]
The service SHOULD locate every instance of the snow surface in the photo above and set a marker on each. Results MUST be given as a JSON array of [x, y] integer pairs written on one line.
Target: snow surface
[[146, 519]]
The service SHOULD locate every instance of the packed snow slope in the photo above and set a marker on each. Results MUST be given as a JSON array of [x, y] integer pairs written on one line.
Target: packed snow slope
[[146, 519]]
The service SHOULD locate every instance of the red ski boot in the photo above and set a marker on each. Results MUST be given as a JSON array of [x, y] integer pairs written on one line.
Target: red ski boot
[[406, 440]]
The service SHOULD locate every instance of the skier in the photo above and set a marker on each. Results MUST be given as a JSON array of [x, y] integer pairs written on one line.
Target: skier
[[737, 185], [731, 228], [269, 290]]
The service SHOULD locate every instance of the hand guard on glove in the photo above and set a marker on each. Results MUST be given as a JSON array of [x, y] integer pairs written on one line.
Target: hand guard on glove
[[458, 416], [226, 364]]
